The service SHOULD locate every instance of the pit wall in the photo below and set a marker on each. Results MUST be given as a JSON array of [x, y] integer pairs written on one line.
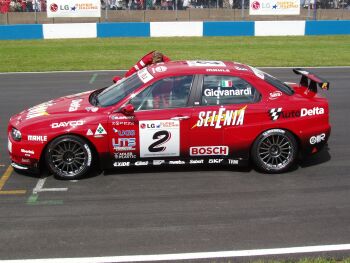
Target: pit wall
[[174, 29]]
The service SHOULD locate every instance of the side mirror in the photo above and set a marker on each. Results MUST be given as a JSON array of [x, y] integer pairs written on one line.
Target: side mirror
[[128, 109]]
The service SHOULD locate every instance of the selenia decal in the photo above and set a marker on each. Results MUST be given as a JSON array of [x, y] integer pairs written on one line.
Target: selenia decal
[[221, 118], [159, 138]]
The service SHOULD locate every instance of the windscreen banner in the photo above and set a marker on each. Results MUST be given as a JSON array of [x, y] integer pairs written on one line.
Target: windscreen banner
[[274, 7], [73, 8]]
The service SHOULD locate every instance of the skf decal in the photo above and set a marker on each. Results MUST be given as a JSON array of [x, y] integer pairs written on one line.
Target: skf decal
[[222, 118]]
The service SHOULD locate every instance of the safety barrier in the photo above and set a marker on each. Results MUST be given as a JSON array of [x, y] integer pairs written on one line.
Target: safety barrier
[[174, 29]]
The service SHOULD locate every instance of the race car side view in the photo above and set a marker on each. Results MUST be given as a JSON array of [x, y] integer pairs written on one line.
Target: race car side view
[[176, 113]]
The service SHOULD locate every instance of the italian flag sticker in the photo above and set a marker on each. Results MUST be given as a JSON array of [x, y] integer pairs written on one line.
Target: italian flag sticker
[[226, 83]]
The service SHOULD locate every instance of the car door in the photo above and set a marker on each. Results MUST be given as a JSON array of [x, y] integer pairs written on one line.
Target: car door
[[158, 129], [226, 115]]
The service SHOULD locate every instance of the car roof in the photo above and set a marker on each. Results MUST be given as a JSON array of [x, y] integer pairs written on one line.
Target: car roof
[[185, 67]]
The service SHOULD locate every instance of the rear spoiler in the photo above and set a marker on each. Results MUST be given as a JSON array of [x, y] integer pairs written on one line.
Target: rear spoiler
[[306, 75]]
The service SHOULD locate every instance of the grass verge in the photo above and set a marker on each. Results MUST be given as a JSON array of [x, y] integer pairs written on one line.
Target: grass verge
[[122, 53]]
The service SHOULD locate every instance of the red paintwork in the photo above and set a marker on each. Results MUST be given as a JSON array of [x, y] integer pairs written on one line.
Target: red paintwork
[[58, 120]]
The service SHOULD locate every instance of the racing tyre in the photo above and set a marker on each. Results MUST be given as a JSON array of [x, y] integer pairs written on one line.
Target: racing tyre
[[274, 151], [69, 157]]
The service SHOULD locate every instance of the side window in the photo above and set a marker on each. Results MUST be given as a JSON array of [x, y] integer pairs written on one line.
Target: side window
[[166, 93], [221, 90]]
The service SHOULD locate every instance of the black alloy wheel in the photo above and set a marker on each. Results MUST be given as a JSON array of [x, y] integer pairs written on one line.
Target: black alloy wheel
[[68, 157], [274, 151]]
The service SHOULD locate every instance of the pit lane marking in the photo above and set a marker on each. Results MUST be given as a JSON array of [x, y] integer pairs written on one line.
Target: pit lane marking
[[39, 188], [191, 256], [3, 181]]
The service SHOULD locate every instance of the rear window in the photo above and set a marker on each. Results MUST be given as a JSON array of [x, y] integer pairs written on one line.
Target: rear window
[[278, 84]]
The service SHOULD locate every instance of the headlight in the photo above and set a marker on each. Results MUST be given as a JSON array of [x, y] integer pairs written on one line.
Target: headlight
[[16, 134]]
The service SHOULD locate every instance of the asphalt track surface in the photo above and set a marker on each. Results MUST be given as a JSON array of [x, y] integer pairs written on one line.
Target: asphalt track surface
[[194, 209]]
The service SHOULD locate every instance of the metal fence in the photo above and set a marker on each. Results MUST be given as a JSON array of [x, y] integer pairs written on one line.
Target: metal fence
[[34, 11]]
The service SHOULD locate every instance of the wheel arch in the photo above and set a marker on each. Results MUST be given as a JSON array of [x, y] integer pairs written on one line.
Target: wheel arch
[[93, 148], [278, 128]]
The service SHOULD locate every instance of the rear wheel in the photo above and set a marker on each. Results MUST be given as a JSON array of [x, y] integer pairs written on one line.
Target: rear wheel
[[274, 151], [68, 157]]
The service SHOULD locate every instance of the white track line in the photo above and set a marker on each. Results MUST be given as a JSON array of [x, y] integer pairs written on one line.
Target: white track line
[[123, 70], [39, 188], [189, 256]]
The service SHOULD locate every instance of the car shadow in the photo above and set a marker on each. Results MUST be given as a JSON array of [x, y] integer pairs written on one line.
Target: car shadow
[[321, 157]]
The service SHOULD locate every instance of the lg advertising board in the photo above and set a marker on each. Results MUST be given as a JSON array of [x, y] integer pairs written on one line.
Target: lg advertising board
[[73, 8], [274, 7]]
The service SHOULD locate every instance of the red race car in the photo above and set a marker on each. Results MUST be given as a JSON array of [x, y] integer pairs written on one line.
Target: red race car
[[176, 113]]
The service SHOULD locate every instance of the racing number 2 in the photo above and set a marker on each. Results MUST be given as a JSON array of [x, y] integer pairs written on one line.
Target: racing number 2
[[162, 137]]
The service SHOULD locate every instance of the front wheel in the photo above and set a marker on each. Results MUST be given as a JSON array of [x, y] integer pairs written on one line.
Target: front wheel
[[274, 151], [68, 157]]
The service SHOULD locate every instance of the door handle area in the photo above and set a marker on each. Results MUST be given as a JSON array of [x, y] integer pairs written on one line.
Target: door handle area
[[179, 118]]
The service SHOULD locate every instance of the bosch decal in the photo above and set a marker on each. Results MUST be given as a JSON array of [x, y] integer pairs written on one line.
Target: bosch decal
[[209, 150]]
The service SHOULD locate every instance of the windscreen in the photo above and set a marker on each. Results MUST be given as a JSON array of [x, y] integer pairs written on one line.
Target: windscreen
[[117, 92]]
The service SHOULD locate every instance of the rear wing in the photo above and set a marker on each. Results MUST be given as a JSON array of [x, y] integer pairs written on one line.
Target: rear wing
[[311, 80]]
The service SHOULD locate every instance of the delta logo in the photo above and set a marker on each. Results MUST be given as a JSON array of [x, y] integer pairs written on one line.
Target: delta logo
[[220, 118]]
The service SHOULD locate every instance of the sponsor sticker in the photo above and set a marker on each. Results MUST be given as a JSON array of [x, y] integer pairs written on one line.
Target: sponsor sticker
[[158, 162], [209, 150], [232, 162], [64, 124], [75, 105], [100, 130], [27, 152], [141, 163], [159, 69], [220, 118], [124, 155], [124, 144], [275, 95], [215, 161], [37, 138], [124, 133], [121, 164], [226, 70], [177, 162], [144, 75], [159, 138], [240, 68], [317, 138], [91, 109], [196, 161], [89, 154], [205, 63], [277, 113], [39, 110]]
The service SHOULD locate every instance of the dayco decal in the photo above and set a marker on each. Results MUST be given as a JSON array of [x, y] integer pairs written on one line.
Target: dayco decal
[[318, 138], [208, 150], [37, 138], [75, 104], [231, 92], [277, 113], [222, 118], [66, 124]]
